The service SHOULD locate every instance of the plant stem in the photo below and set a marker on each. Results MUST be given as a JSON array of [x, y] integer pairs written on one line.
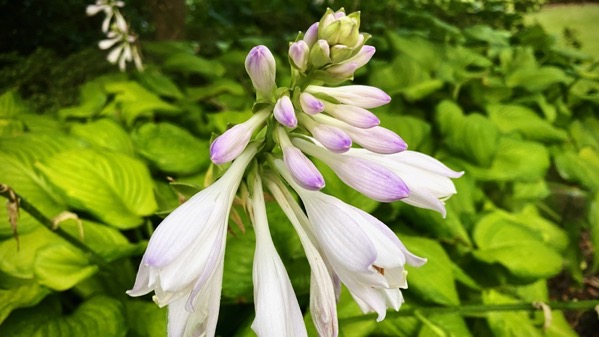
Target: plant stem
[[22, 203], [478, 309]]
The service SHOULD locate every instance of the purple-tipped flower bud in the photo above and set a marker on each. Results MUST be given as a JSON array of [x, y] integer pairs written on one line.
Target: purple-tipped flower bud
[[310, 104], [333, 138], [363, 56], [284, 112], [352, 115], [261, 66], [311, 34], [320, 54], [301, 168], [362, 96], [365, 176], [232, 142], [343, 70], [376, 139], [299, 53]]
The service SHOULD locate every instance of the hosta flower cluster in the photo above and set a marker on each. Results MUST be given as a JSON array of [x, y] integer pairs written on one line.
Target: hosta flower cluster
[[119, 37], [271, 153]]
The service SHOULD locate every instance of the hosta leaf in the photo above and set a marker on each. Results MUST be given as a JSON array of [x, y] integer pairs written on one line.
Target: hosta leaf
[[434, 281], [146, 319], [27, 294], [11, 104], [508, 324], [536, 79], [171, 149], [160, 84], [188, 63], [521, 119], [60, 267], [104, 133], [115, 188]]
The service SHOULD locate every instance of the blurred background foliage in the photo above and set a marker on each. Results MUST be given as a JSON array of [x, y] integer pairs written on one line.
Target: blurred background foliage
[[478, 84]]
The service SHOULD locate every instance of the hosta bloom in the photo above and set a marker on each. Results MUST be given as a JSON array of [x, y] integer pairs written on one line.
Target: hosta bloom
[[365, 254], [184, 260], [428, 179], [261, 66], [232, 142], [365, 176], [362, 96], [277, 310]]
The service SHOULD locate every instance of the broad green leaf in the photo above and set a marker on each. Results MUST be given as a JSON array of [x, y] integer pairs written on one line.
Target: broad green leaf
[[11, 127], [222, 120], [25, 223], [146, 319], [420, 50], [581, 167], [515, 160], [115, 188], [60, 267], [11, 104], [132, 101], [398, 327], [521, 249], [36, 124], [508, 324], [487, 34], [521, 119], [27, 294], [160, 84], [530, 191], [215, 88], [348, 308], [421, 90], [452, 323], [434, 282], [536, 79], [19, 261], [449, 228], [239, 257], [584, 132], [171, 149], [187, 63], [91, 101], [99, 316], [104, 133]]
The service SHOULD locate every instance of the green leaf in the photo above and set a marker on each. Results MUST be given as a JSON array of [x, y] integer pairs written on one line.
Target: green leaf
[[348, 308], [27, 294], [92, 99], [60, 267], [171, 149], [187, 63], [502, 240], [19, 261], [451, 323], [104, 133], [508, 324], [160, 84], [421, 90], [99, 316], [584, 132], [215, 88], [132, 101], [514, 160], [146, 319], [449, 228], [536, 79], [115, 188], [509, 118], [581, 167], [11, 104], [237, 278], [434, 282]]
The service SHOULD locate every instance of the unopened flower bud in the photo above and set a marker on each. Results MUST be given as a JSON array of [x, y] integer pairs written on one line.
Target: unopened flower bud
[[284, 112], [311, 35], [343, 30], [331, 137], [232, 142], [310, 104], [301, 168], [299, 53], [320, 54], [352, 115], [343, 70], [362, 96], [363, 56], [260, 65]]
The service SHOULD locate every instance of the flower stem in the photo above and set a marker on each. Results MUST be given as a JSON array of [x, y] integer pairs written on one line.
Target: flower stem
[[479, 309], [19, 202]]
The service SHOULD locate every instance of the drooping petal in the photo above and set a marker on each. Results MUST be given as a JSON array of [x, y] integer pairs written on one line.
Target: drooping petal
[[359, 95]]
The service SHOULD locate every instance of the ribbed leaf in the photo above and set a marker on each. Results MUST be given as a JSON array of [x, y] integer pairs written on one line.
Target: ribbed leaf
[[60, 267], [104, 133], [115, 188]]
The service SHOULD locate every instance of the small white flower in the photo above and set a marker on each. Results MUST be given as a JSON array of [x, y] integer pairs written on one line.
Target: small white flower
[[352, 115], [277, 310], [183, 263], [362, 96]]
